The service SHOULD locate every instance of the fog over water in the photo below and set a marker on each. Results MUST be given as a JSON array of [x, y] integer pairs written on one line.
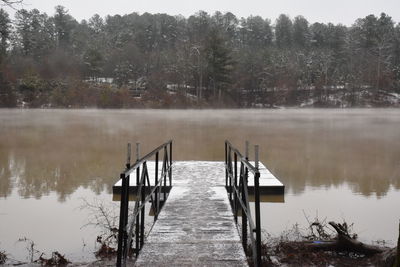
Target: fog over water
[[339, 163]]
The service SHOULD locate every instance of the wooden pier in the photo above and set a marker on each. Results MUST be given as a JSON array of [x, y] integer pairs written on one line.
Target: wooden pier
[[197, 225]]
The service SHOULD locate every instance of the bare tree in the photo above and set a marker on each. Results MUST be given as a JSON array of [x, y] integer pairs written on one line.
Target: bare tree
[[10, 3]]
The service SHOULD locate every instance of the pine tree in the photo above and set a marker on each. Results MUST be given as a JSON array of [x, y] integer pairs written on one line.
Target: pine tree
[[219, 64]]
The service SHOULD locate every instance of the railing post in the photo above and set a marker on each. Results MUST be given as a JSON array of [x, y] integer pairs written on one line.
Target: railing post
[[124, 207], [121, 229], [128, 158], [244, 216], [247, 150], [257, 207], [235, 186], [256, 147], [170, 164], [226, 164], [229, 167], [165, 174], [157, 192], [126, 201], [137, 225], [138, 169], [142, 212]]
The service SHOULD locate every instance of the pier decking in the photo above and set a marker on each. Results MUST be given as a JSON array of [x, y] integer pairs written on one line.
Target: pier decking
[[196, 226]]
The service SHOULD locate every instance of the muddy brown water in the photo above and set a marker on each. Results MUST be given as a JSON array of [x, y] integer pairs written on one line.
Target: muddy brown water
[[335, 164]]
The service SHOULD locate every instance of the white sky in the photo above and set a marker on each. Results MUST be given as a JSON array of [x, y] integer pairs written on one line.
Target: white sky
[[335, 11]]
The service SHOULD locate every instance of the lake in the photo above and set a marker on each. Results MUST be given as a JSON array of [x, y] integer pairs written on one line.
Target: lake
[[336, 165]]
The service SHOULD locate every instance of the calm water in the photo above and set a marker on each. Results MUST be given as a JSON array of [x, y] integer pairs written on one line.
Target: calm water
[[339, 164]]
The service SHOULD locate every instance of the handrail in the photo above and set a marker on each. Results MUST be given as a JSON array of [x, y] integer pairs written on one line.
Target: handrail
[[239, 195], [138, 163], [144, 193], [243, 159]]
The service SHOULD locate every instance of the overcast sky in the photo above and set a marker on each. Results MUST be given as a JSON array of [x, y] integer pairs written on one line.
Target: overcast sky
[[335, 11]]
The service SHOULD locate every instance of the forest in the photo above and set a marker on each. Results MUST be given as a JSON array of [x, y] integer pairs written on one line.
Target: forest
[[205, 60]]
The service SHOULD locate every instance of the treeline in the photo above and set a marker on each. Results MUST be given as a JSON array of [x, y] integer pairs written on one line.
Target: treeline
[[205, 60]]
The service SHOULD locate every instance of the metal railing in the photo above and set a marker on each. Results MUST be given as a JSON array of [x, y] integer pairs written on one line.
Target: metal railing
[[237, 187], [144, 193]]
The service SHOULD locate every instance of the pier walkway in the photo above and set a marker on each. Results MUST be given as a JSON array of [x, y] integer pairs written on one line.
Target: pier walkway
[[196, 226], [196, 205]]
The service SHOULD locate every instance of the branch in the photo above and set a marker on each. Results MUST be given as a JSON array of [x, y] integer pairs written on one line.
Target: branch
[[11, 3]]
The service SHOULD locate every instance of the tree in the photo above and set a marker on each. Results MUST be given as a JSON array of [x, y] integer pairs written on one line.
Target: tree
[[198, 27], [301, 34], [10, 3], [93, 60], [230, 23], [256, 32], [384, 47], [64, 24], [8, 97], [96, 24], [283, 31], [374, 37], [123, 73], [35, 34], [219, 64], [5, 30], [395, 60]]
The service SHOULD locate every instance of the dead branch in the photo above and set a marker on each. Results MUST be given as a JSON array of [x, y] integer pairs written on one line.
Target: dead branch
[[11, 3], [101, 215], [56, 259], [344, 242], [3, 257]]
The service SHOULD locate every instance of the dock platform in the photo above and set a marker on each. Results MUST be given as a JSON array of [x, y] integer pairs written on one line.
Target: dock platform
[[269, 184]]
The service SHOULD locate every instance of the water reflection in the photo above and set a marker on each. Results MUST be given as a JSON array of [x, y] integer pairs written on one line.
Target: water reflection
[[42, 151]]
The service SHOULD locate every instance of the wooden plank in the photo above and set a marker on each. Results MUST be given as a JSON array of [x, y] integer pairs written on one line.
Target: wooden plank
[[196, 226]]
